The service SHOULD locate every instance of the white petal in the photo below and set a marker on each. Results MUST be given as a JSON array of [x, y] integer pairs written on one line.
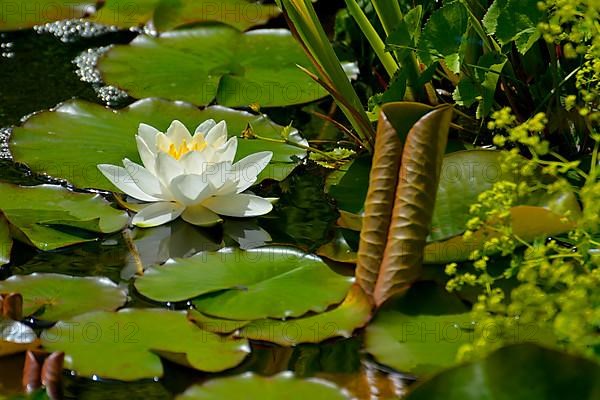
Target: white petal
[[119, 177], [157, 214], [167, 168], [227, 152], [143, 178], [191, 189], [247, 169], [147, 155], [194, 162], [148, 134], [219, 173], [239, 205], [163, 142], [201, 216], [177, 132], [217, 136], [204, 127]]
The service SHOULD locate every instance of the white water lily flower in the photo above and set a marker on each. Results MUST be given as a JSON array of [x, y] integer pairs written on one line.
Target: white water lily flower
[[190, 176]]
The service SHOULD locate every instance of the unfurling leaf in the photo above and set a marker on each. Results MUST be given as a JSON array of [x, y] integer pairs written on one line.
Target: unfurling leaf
[[414, 199], [395, 121]]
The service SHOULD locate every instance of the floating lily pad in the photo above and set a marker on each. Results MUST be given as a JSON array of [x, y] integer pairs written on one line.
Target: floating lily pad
[[342, 321], [218, 62], [16, 337], [518, 372], [71, 140], [169, 14], [25, 14], [125, 345], [421, 332], [41, 215], [52, 297], [270, 282], [254, 387]]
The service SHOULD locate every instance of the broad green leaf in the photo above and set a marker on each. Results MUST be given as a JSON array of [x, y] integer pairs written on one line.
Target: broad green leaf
[[395, 121], [24, 14], [5, 241], [351, 191], [415, 196], [341, 321], [16, 337], [514, 20], [338, 249], [420, 331], [53, 297], [443, 35], [125, 345], [41, 214], [213, 63], [518, 372], [242, 285], [251, 386], [528, 223], [169, 14], [71, 140]]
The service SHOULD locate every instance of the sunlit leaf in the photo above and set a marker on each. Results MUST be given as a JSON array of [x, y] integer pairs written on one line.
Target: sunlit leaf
[[124, 345], [242, 285], [443, 35], [71, 140], [213, 63], [518, 372], [341, 321], [41, 214], [252, 386], [395, 121], [51, 297], [413, 206]]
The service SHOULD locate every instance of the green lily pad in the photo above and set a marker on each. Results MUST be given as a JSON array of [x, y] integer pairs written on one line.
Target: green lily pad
[[421, 332], [269, 282], [53, 297], [255, 387], [41, 213], [169, 14], [71, 140], [216, 62], [341, 321], [24, 14], [125, 345], [5, 241], [518, 372]]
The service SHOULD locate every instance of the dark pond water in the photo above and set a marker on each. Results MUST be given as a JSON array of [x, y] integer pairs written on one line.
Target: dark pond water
[[36, 73]]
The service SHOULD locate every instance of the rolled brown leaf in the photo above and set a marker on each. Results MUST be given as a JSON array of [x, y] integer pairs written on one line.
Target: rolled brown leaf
[[413, 207], [32, 371], [12, 306], [51, 375]]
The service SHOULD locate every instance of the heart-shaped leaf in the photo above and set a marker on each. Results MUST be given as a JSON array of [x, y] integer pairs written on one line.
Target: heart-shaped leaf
[[71, 140], [518, 372], [41, 213], [269, 282], [284, 385], [125, 345], [52, 297], [217, 62]]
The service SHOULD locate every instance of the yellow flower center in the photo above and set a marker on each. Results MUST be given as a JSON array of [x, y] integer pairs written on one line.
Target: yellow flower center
[[184, 148]]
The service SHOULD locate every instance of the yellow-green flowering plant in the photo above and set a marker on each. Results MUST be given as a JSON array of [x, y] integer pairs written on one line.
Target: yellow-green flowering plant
[[192, 176]]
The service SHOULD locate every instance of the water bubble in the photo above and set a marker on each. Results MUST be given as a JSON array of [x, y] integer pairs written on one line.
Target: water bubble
[[74, 29]]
